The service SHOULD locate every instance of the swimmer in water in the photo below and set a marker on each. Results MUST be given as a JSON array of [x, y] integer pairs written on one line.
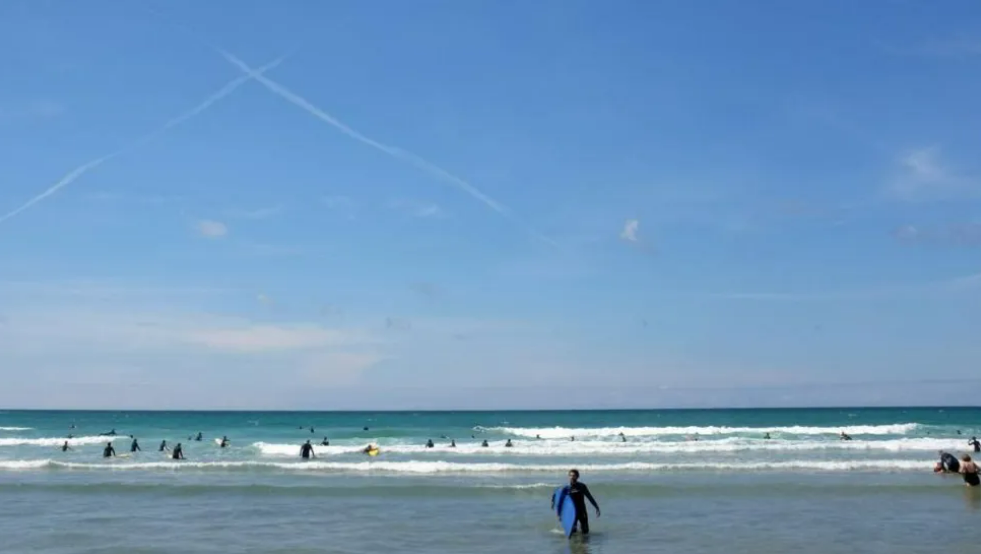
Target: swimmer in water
[[844, 436], [109, 434], [970, 471], [484, 444], [199, 437], [178, 453], [306, 451], [65, 447], [974, 442], [224, 442], [429, 443], [766, 436], [134, 446], [163, 446], [508, 444], [452, 443], [108, 451], [325, 442], [947, 464]]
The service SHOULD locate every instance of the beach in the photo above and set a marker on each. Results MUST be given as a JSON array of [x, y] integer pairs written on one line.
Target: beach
[[675, 481]]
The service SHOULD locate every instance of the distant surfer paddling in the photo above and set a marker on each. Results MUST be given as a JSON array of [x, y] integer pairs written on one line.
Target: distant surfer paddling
[[306, 451], [579, 493]]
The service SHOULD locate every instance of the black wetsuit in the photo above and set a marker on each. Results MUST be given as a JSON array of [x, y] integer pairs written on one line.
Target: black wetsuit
[[949, 462], [579, 493], [163, 446], [135, 447], [975, 443], [306, 451], [109, 452], [178, 453]]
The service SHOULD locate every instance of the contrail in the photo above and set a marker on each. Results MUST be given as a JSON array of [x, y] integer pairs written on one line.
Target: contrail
[[74, 174], [393, 151]]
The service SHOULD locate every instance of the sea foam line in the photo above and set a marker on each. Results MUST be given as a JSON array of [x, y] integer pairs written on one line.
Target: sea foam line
[[441, 467], [58, 441], [16, 428], [566, 432]]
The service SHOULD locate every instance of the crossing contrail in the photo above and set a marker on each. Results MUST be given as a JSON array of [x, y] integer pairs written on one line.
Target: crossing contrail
[[74, 174], [393, 151]]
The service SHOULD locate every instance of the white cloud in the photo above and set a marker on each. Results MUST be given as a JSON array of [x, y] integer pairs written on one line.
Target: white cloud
[[264, 299], [630, 229], [925, 176], [337, 202], [212, 229], [37, 109], [258, 213], [250, 338], [416, 208]]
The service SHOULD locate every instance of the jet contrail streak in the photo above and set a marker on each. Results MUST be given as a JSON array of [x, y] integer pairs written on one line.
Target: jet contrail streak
[[393, 151], [74, 174]]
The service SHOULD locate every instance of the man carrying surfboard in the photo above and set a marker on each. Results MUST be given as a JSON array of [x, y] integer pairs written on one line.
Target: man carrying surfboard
[[579, 493]]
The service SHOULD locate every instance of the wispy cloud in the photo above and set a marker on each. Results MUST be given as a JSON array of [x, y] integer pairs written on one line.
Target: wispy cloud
[[924, 176], [340, 204], [630, 228], [74, 174], [258, 213], [37, 109], [429, 290], [212, 229], [961, 234], [264, 300], [416, 208]]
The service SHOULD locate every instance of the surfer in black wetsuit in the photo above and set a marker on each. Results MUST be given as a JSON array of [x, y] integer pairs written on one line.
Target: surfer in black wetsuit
[[163, 446], [484, 444], [178, 453], [974, 442], [65, 447], [109, 451], [579, 493], [109, 434], [845, 436], [306, 451], [452, 443], [199, 437], [224, 442], [325, 442], [947, 464], [429, 443], [135, 446], [508, 444]]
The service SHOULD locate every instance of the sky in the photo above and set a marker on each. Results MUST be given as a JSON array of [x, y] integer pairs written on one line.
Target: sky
[[489, 204]]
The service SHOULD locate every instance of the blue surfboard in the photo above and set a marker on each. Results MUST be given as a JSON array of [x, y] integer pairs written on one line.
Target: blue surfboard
[[565, 509]]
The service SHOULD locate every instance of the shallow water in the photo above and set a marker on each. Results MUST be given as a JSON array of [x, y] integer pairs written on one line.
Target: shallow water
[[730, 491]]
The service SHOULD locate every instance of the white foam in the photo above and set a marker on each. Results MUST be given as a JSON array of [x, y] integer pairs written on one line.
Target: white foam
[[53, 441], [566, 432], [441, 467], [16, 428], [548, 448]]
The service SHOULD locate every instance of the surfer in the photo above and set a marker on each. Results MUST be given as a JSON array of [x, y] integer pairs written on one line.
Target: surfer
[[844, 436], [178, 453], [974, 442], [369, 449], [452, 443], [484, 444], [109, 451], [65, 447], [365, 428], [429, 443], [947, 464], [623, 438], [325, 442], [970, 471], [224, 442], [539, 437], [135, 446], [579, 493], [306, 451], [109, 434], [163, 446], [311, 430], [508, 444], [766, 436], [199, 437]]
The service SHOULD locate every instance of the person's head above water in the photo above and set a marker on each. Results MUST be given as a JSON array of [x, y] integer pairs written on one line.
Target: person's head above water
[[966, 458], [573, 476]]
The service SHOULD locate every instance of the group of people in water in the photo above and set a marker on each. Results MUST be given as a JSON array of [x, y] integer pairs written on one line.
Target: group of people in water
[[966, 466], [176, 453]]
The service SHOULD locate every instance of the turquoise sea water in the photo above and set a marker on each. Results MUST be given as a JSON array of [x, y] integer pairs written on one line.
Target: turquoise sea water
[[674, 481]]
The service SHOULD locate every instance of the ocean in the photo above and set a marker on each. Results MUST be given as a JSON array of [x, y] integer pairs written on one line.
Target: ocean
[[705, 481]]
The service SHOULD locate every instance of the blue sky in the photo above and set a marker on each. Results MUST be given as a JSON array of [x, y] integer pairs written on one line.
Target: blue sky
[[489, 204]]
